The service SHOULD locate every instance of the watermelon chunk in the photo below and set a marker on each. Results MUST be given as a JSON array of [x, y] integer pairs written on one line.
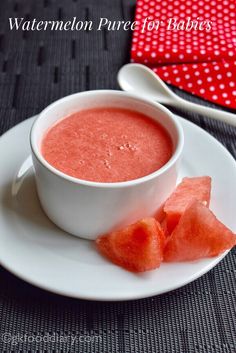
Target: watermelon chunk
[[164, 227], [137, 248], [198, 234], [197, 188]]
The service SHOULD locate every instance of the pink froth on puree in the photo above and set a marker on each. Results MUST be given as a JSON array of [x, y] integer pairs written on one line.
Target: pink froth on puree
[[107, 145]]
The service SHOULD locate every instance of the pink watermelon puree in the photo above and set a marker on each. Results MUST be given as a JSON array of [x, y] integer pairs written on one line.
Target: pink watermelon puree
[[107, 145]]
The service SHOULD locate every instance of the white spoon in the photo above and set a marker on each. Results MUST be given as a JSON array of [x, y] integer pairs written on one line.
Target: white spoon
[[141, 80]]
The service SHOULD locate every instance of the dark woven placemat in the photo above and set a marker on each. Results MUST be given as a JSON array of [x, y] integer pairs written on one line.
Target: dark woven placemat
[[35, 69]]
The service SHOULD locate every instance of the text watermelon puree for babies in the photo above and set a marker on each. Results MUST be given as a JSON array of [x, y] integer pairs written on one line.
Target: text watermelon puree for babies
[[137, 248], [196, 188], [198, 234]]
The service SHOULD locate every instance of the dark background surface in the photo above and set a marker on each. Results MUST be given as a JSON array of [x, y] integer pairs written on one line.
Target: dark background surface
[[37, 68]]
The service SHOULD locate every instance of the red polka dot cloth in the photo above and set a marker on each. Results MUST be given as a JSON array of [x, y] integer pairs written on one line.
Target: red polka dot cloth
[[200, 59]]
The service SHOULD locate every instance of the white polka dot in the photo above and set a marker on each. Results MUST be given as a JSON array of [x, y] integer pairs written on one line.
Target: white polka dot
[[222, 86], [225, 95], [214, 97], [231, 84], [202, 91], [197, 73], [212, 88], [199, 82]]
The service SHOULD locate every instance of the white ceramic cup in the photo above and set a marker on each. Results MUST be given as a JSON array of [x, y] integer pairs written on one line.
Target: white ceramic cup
[[88, 209]]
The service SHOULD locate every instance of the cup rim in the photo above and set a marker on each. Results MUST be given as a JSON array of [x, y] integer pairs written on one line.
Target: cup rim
[[175, 156]]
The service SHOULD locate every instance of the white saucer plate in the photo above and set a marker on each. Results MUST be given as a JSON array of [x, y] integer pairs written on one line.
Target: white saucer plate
[[34, 249]]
